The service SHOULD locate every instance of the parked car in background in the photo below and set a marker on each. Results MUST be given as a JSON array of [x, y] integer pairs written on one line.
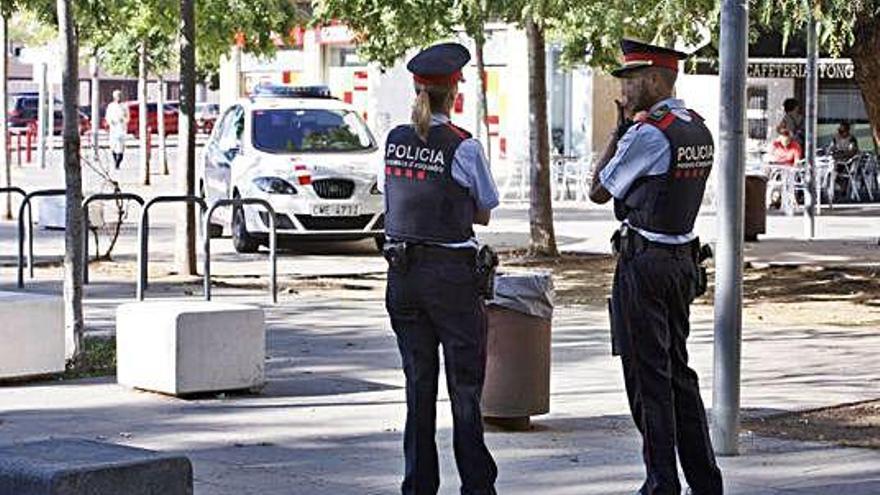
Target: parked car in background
[[311, 156], [206, 116], [170, 111], [23, 109]]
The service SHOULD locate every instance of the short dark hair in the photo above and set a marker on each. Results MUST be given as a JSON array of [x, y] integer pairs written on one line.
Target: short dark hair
[[782, 129], [844, 125], [791, 104]]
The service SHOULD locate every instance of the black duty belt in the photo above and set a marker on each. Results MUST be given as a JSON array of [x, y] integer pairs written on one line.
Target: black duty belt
[[427, 251], [628, 240], [640, 242]]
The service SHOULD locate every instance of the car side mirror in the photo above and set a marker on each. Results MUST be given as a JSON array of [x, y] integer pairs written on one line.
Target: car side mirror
[[232, 152]]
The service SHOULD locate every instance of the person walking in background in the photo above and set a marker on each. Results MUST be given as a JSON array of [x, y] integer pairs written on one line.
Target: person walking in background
[[117, 118]]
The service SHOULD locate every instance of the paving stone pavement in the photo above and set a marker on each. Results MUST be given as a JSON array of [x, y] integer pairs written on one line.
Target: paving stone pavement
[[329, 420]]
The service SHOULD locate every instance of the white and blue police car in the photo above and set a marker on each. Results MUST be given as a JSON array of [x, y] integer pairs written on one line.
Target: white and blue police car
[[310, 155]]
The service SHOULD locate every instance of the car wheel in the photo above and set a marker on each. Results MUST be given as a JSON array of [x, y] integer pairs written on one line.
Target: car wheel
[[214, 230], [242, 241]]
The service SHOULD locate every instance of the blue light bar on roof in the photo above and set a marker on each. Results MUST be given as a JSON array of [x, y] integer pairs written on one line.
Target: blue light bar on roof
[[278, 91]]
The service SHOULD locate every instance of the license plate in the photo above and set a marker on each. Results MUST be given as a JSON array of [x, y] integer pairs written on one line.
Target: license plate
[[336, 210]]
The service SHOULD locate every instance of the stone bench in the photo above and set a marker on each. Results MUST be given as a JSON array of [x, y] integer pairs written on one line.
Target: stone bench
[[184, 347], [84, 467], [31, 335]]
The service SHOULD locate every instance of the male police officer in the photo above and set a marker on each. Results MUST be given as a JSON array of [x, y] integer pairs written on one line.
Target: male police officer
[[437, 185], [655, 167]]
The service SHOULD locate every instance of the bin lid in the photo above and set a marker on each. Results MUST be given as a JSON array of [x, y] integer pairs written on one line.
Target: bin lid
[[528, 292]]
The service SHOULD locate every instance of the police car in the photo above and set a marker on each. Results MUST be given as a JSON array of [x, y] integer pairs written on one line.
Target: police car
[[310, 155]]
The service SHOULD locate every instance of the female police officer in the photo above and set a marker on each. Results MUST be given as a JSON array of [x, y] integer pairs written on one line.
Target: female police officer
[[437, 185]]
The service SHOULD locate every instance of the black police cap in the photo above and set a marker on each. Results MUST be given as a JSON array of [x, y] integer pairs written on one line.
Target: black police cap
[[638, 55], [439, 64]]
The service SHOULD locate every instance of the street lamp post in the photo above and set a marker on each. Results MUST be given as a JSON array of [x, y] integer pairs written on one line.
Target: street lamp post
[[810, 131], [729, 259]]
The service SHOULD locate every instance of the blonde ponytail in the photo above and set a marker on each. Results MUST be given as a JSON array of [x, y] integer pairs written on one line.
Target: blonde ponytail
[[421, 112]]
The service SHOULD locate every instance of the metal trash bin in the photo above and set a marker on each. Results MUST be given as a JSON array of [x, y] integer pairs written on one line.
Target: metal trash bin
[[756, 206], [517, 382]]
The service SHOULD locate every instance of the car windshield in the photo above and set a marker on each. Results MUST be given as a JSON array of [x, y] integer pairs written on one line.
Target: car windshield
[[295, 131]]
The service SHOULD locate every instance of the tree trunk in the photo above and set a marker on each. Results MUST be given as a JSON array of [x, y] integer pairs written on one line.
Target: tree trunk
[[185, 236], [143, 117], [73, 232], [543, 239], [95, 99], [483, 103], [160, 117], [865, 55], [4, 94]]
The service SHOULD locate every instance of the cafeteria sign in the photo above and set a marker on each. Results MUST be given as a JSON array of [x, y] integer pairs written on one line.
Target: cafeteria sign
[[797, 69]]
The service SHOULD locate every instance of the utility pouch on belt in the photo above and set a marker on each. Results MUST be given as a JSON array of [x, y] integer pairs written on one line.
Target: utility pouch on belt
[[701, 254], [620, 241], [395, 254], [485, 264]]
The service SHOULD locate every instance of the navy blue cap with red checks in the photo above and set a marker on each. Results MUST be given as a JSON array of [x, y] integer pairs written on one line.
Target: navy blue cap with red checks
[[638, 55], [439, 64]]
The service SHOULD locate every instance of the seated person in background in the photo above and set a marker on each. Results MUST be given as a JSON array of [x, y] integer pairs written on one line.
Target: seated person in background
[[794, 119], [785, 150], [843, 145]]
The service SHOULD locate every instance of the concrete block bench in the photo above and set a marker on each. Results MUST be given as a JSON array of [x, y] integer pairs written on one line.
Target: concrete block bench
[[84, 467], [31, 335], [185, 347]]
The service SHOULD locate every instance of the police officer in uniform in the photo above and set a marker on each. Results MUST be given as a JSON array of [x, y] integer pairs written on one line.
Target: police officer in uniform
[[437, 184], [655, 168]]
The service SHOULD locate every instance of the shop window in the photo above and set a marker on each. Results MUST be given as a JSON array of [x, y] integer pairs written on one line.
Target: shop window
[[756, 114], [843, 103], [345, 57]]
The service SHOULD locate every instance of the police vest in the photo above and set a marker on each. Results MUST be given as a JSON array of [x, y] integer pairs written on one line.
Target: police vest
[[669, 203], [423, 203]]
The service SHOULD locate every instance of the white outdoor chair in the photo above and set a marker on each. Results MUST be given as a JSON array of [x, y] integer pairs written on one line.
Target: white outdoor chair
[[571, 178], [788, 179], [851, 173], [868, 175]]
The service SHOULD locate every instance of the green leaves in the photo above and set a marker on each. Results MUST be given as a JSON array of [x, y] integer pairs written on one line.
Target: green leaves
[[386, 29], [262, 22]]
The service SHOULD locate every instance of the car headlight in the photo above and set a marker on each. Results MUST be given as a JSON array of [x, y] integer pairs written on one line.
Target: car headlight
[[375, 189], [274, 185]]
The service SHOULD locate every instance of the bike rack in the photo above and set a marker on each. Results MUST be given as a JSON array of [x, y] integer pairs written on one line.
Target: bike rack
[[100, 197], [238, 203], [13, 190], [144, 230], [26, 205]]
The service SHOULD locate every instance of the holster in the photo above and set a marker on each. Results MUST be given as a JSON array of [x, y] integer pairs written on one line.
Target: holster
[[701, 252], [485, 264], [395, 254]]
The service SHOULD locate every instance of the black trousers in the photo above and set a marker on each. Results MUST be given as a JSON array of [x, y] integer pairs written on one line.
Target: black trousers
[[434, 302], [652, 293]]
